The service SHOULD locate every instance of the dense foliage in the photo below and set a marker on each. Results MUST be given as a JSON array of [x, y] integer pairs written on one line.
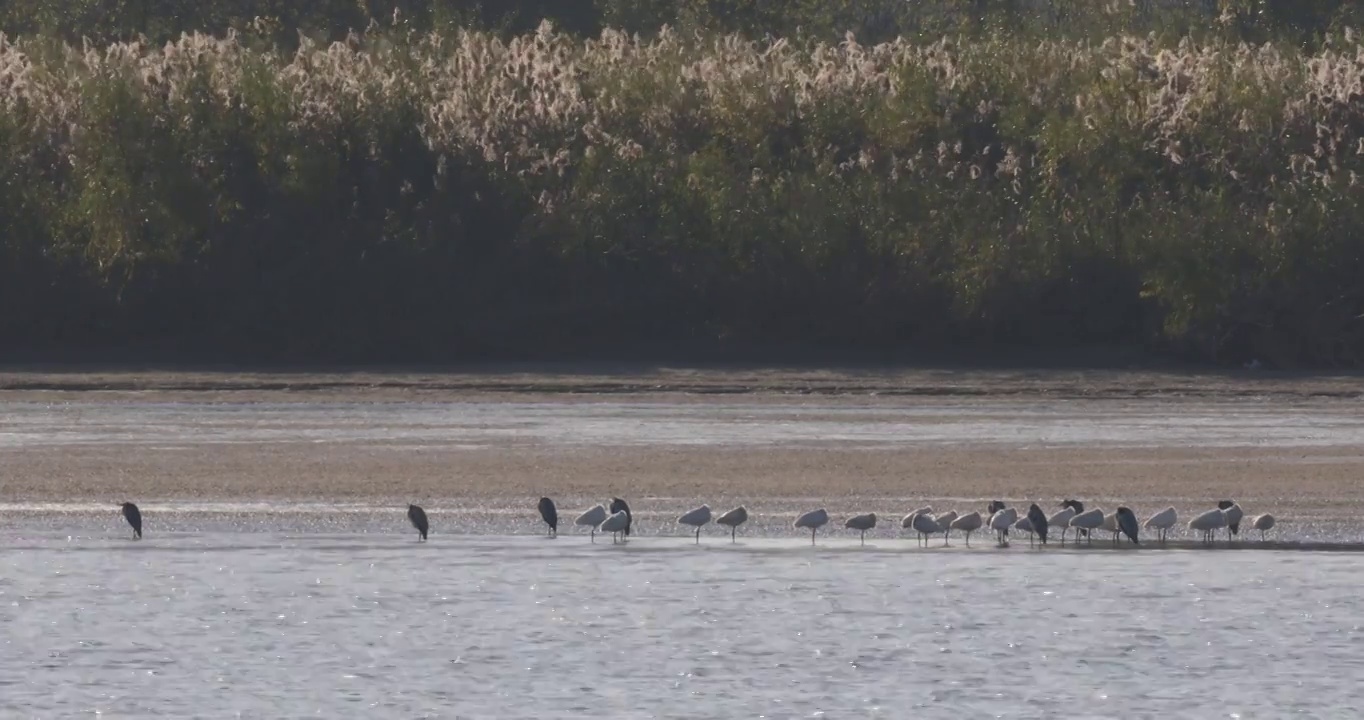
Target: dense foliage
[[416, 193]]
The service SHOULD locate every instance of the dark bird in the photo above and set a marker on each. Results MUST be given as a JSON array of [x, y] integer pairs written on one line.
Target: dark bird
[[1127, 523], [550, 515], [994, 507], [1039, 522], [134, 517], [418, 518], [618, 505], [1079, 508], [1233, 515]]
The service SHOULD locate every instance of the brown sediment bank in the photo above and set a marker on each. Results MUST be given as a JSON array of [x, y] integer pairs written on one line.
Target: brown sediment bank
[[1315, 479]]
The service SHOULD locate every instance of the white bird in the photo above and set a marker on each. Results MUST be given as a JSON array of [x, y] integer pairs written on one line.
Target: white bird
[[968, 523], [925, 525], [1111, 525], [1162, 521], [1088, 520], [1209, 523], [1001, 521], [1061, 519], [696, 518], [814, 520], [1079, 509], [862, 523], [994, 507], [616, 523], [593, 517], [944, 521], [1234, 515], [907, 521], [733, 519], [1262, 523]]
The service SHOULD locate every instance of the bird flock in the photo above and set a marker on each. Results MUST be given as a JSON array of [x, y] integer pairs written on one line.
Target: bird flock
[[998, 517]]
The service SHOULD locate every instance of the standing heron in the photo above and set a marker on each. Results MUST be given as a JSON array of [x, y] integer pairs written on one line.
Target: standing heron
[[1234, 515], [968, 523], [997, 506], [1085, 521], [1208, 523], [925, 526], [944, 521], [814, 520], [1039, 522], [861, 523], [594, 516], [618, 505], [418, 518], [134, 517], [1162, 521], [907, 522], [550, 515], [732, 520], [1061, 519], [1262, 523], [1001, 521], [696, 518], [618, 523], [1079, 509], [1127, 523]]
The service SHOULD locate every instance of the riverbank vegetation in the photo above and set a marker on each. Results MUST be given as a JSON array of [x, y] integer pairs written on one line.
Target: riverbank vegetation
[[441, 187]]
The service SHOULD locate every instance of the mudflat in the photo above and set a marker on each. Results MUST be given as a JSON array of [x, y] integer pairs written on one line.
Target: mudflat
[[844, 438]]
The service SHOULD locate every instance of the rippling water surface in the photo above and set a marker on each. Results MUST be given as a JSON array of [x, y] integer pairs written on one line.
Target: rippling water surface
[[273, 626]]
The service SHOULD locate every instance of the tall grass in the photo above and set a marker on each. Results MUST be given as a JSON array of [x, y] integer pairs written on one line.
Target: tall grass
[[404, 195]]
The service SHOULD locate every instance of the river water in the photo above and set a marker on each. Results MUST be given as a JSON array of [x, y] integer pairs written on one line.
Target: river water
[[280, 626]]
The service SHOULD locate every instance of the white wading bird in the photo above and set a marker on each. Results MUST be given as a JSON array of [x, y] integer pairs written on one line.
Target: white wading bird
[[1209, 523], [732, 520], [1262, 523], [861, 523], [1162, 521], [617, 523], [968, 523], [592, 518]]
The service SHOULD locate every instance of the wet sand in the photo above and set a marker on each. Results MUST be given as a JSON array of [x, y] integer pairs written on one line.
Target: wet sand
[[1320, 481]]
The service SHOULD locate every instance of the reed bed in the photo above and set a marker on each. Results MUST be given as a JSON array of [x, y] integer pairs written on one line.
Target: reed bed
[[449, 194]]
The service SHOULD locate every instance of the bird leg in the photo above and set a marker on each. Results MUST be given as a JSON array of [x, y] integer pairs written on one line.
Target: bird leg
[[698, 534], [733, 531], [812, 537]]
